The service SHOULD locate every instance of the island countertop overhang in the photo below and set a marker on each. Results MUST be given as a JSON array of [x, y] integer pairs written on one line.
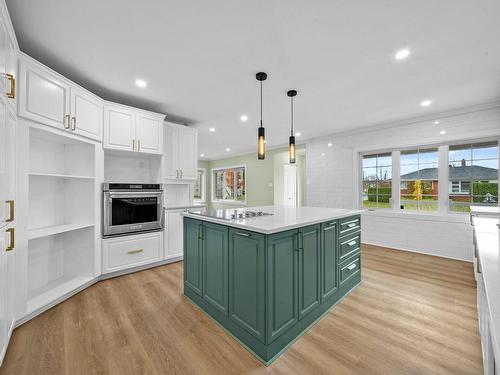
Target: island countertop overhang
[[283, 218]]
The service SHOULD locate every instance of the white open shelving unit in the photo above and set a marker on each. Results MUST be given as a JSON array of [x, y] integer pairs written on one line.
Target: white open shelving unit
[[62, 220]]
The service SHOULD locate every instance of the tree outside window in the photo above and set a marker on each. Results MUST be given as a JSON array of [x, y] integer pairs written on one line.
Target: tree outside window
[[229, 184]]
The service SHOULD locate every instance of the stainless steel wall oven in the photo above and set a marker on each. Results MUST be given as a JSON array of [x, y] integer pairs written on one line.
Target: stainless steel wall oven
[[130, 208]]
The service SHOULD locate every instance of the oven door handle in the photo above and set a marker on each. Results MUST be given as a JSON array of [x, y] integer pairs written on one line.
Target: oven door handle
[[134, 194]]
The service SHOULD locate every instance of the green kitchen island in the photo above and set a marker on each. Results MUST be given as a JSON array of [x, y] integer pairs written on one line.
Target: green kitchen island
[[267, 278]]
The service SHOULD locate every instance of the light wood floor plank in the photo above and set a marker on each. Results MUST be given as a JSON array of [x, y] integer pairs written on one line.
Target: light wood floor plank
[[412, 314]]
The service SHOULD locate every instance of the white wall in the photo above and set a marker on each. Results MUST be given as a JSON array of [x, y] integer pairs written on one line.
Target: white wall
[[333, 174]]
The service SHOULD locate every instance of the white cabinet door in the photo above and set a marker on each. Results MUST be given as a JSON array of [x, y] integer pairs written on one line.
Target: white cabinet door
[[149, 133], [44, 97], [119, 128], [121, 253], [173, 234], [171, 158], [86, 114], [5, 159], [3, 296], [188, 153]]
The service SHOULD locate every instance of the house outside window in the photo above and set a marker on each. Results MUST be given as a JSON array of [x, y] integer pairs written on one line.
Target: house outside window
[[377, 180], [199, 190], [419, 177], [473, 175], [229, 184]]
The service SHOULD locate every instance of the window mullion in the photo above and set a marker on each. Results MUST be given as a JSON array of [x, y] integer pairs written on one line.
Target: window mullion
[[443, 177], [396, 180]]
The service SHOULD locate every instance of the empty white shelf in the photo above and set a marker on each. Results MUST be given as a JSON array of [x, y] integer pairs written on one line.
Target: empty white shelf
[[54, 290], [55, 229], [42, 174]]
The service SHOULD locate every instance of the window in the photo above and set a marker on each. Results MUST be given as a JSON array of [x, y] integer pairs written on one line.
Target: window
[[377, 180], [473, 175], [229, 184], [199, 191], [419, 177]]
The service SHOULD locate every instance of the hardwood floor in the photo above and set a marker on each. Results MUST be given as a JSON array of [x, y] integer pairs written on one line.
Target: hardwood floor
[[412, 314]]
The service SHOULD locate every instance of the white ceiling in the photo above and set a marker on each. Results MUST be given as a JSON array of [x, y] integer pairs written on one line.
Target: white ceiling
[[199, 59]]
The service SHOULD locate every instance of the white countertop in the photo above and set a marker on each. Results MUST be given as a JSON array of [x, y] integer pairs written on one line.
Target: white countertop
[[283, 218], [485, 210], [488, 247]]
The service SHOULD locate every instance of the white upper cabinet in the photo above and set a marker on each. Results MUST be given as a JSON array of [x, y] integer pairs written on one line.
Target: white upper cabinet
[[149, 133], [50, 99], [44, 96], [119, 128], [86, 113], [131, 129], [181, 153]]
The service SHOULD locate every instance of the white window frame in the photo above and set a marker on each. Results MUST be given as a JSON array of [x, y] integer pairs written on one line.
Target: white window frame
[[443, 175], [203, 186], [214, 199]]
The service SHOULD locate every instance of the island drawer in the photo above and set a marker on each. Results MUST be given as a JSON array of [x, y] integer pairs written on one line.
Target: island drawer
[[349, 246], [349, 225], [349, 269]]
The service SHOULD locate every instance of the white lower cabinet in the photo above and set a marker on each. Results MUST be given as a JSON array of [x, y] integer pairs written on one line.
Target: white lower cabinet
[[173, 234], [120, 253]]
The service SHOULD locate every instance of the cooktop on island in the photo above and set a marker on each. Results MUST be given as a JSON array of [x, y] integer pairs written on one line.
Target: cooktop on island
[[229, 213]]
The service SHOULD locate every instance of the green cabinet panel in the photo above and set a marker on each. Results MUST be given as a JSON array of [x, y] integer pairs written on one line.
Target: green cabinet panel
[[215, 265], [309, 269], [193, 254], [247, 281], [349, 225], [329, 248], [282, 284]]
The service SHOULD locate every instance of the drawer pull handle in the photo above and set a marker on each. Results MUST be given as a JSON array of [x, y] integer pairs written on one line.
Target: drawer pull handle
[[351, 267], [135, 251], [243, 234], [352, 243], [351, 225]]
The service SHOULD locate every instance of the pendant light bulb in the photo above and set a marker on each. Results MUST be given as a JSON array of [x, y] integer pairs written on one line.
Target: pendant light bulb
[[292, 151], [261, 141]]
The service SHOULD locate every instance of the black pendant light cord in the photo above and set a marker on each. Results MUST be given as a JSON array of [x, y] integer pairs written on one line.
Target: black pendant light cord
[[261, 104], [291, 110]]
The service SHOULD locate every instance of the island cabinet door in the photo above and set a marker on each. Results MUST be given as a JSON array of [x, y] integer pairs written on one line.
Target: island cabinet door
[[247, 281], [193, 254], [282, 283], [215, 265], [309, 269], [329, 249]]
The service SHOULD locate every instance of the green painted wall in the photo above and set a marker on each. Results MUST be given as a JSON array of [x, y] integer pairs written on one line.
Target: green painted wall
[[260, 175]]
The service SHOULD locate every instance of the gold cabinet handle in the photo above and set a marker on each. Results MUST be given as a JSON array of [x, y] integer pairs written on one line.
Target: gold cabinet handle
[[73, 123], [12, 93], [138, 145], [66, 121], [133, 144], [11, 210], [135, 251], [12, 233]]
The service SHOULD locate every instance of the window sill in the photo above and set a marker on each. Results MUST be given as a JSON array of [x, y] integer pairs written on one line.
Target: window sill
[[228, 202], [427, 216]]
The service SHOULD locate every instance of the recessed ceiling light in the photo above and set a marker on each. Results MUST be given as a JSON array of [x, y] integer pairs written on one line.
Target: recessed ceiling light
[[426, 103], [211, 130], [202, 155], [265, 140], [436, 122], [244, 118], [330, 144], [323, 154], [402, 54], [228, 149], [141, 83], [298, 134], [442, 132]]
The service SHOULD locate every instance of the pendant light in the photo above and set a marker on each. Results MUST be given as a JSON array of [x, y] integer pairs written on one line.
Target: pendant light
[[291, 145], [261, 143]]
